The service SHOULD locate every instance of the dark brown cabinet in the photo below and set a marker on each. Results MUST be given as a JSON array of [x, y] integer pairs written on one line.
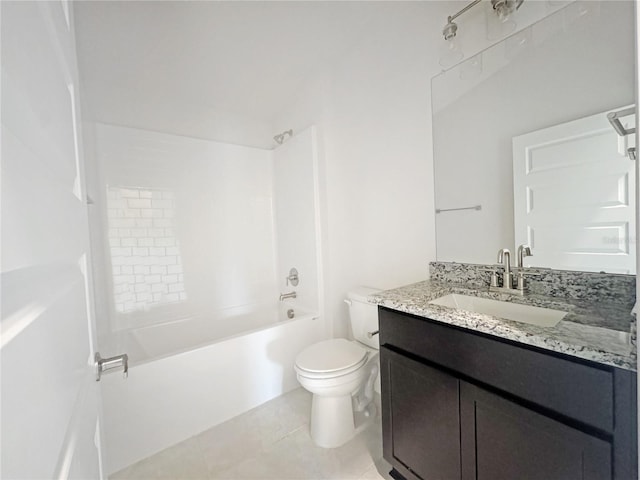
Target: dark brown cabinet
[[428, 439], [501, 439], [459, 405]]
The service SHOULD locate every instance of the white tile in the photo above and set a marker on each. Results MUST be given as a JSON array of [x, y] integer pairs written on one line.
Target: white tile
[[182, 461], [378, 471], [162, 204], [271, 441], [297, 457], [245, 436], [143, 222], [129, 193], [139, 203]]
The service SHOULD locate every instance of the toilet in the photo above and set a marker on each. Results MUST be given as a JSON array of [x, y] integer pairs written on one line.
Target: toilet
[[341, 374]]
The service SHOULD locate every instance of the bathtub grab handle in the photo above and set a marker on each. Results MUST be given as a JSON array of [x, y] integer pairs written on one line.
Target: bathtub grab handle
[[104, 364]]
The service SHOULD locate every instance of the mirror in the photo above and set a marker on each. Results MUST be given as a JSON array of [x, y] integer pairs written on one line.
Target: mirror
[[493, 110]]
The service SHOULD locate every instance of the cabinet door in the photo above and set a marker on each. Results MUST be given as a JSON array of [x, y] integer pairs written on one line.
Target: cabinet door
[[504, 441], [421, 418]]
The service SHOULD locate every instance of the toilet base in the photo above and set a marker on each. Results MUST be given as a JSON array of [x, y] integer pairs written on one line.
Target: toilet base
[[333, 422]]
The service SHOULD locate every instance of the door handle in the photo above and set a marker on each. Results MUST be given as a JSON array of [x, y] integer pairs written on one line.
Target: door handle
[[104, 364]]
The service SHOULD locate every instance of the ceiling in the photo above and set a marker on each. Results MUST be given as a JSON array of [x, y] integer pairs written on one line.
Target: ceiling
[[243, 58]]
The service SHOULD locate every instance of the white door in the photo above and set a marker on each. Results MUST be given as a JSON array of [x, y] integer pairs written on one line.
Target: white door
[[574, 196], [49, 397]]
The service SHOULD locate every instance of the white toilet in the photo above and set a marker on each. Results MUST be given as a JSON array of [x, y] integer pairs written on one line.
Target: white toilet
[[341, 375]]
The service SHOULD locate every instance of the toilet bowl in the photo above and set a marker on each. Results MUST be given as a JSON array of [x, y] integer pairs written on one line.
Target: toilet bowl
[[340, 374]]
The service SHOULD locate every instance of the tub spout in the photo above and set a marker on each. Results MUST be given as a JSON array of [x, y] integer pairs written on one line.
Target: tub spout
[[284, 296]]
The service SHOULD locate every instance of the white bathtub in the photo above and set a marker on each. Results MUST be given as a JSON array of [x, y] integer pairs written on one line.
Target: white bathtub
[[188, 376], [157, 341]]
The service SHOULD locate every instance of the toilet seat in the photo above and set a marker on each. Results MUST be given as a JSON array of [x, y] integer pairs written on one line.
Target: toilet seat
[[330, 358]]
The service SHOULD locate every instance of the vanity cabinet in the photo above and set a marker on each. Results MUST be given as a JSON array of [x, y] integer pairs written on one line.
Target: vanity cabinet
[[501, 439], [418, 430], [457, 404]]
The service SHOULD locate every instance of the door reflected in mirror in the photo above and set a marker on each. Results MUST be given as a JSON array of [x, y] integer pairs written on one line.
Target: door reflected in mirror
[[573, 187]]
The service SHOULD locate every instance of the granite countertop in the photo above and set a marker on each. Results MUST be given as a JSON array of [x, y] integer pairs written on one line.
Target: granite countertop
[[593, 331]]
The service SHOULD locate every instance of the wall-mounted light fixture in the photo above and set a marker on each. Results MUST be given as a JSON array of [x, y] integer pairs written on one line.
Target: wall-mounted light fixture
[[504, 8], [451, 51]]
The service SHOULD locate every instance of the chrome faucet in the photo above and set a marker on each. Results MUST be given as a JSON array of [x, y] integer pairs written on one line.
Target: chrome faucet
[[504, 257], [523, 251], [284, 296]]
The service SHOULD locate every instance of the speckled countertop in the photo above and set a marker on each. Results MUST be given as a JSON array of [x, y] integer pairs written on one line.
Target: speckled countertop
[[593, 331]]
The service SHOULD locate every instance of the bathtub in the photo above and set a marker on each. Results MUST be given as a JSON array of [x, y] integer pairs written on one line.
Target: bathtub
[[157, 341], [190, 375]]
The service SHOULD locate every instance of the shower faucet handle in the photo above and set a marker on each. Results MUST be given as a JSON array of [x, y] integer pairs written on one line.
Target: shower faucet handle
[[292, 278]]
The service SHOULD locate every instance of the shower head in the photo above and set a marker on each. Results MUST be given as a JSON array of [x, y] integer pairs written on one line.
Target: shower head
[[280, 138]]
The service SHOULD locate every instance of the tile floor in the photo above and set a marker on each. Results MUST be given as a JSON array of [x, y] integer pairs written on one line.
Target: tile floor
[[269, 442]]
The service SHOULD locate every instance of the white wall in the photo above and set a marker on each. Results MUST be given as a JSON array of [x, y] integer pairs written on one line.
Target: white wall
[[369, 94], [373, 112]]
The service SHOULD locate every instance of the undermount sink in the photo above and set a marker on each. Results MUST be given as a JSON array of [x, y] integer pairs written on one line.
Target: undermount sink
[[544, 317]]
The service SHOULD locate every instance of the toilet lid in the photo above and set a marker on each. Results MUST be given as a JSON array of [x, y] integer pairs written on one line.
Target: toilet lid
[[330, 356]]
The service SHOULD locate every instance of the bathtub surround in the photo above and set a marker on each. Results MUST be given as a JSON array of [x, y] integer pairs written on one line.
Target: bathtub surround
[[297, 223], [183, 227], [209, 238], [193, 240], [145, 254]]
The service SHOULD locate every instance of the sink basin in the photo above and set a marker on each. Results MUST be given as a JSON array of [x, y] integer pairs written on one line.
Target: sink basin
[[544, 317]]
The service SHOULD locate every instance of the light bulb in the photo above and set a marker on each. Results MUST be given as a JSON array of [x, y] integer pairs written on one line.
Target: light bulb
[[450, 52], [504, 8], [499, 21]]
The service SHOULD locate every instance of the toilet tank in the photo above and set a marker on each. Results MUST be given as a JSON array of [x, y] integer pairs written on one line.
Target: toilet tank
[[363, 315]]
